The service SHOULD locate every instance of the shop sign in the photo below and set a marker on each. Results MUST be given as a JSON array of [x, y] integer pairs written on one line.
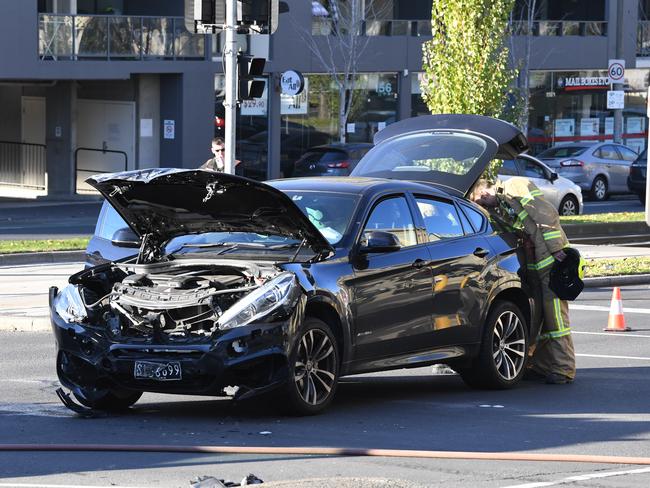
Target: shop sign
[[295, 104], [634, 125], [615, 99], [565, 127], [570, 83], [292, 82], [255, 106]]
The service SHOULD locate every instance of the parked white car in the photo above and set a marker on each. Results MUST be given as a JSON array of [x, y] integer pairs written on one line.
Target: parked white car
[[561, 192]]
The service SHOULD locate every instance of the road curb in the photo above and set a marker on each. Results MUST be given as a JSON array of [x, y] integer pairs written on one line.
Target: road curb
[[42, 257], [605, 281]]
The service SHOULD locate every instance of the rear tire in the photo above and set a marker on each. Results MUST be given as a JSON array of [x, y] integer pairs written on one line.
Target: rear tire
[[503, 354], [313, 369], [569, 206], [599, 189]]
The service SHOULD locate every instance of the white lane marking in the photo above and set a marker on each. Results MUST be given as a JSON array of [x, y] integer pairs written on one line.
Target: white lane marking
[[582, 477], [605, 356], [608, 334], [599, 308], [41, 485]]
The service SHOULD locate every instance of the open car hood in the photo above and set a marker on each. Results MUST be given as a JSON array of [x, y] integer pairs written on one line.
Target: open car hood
[[165, 203], [450, 150]]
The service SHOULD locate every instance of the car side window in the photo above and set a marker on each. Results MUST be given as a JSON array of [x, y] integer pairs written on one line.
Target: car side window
[[508, 168], [110, 223], [475, 217], [393, 215], [609, 152], [529, 169], [441, 219], [627, 153]]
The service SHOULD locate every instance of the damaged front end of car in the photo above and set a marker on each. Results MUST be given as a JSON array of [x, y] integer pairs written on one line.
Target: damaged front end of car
[[203, 327]]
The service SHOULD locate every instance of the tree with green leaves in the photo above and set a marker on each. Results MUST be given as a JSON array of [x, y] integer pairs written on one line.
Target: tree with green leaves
[[466, 63]]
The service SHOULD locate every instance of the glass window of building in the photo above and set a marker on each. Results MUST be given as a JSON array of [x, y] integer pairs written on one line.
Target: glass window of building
[[418, 107], [311, 118], [571, 106]]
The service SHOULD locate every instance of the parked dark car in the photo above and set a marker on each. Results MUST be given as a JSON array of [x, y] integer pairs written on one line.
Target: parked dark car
[[636, 180], [290, 285], [337, 159]]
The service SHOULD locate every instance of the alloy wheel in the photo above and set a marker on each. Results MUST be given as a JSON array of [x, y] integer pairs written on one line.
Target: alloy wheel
[[600, 189], [569, 207], [509, 345], [315, 367]]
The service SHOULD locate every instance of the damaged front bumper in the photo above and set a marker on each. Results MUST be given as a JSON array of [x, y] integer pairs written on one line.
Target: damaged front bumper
[[238, 362]]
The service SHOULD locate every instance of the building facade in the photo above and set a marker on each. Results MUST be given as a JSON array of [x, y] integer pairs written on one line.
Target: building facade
[[91, 86]]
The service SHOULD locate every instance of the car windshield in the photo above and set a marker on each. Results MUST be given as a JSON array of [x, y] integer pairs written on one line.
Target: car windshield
[[438, 152], [323, 156], [562, 152], [329, 212]]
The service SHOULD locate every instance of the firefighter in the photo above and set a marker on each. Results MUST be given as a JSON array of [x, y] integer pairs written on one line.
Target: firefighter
[[520, 203]]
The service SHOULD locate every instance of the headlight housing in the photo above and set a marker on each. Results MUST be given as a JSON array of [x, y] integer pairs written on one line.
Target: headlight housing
[[69, 305], [260, 302]]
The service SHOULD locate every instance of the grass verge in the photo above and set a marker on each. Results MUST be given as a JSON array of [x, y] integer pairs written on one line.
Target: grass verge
[[617, 266], [43, 245], [604, 218]]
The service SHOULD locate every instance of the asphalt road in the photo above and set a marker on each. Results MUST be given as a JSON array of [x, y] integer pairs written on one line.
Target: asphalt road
[[604, 412], [60, 220]]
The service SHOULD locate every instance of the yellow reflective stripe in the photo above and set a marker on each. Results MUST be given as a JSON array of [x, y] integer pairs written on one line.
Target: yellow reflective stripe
[[522, 215], [558, 314], [555, 234], [531, 196], [545, 262], [555, 334]]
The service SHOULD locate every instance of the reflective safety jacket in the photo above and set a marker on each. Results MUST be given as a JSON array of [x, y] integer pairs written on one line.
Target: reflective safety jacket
[[527, 210]]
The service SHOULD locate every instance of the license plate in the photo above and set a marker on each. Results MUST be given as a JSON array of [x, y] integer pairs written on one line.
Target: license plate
[[159, 371]]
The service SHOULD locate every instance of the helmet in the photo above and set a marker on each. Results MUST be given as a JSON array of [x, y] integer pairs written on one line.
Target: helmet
[[566, 275]]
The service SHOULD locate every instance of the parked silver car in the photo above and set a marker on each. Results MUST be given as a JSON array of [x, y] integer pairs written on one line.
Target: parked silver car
[[561, 192], [599, 168]]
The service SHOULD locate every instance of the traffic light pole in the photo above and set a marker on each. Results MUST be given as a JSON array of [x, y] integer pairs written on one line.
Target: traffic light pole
[[230, 103]]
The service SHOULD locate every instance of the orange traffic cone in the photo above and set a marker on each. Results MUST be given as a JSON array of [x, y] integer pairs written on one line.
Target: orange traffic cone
[[616, 322]]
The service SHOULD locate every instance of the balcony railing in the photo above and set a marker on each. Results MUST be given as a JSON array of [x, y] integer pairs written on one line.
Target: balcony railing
[[559, 28], [77, 37], [323, 26]]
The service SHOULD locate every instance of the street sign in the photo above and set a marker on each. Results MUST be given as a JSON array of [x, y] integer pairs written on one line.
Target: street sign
[[615, 99], [616, 70]]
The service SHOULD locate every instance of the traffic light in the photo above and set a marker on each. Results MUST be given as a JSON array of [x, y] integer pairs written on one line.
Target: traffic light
[[205, 16], [258, 16], [249, 68]]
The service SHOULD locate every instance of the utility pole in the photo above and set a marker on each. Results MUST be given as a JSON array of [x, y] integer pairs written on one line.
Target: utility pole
[[618, 113], [230, 102]]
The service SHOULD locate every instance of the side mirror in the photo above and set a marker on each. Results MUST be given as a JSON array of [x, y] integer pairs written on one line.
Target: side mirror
[[553, 176], [379, 241], [125, 237]]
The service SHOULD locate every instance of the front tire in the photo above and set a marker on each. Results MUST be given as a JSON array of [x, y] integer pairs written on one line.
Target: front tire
[[313, 368], [599, 189], [569, 206], [503, 354]]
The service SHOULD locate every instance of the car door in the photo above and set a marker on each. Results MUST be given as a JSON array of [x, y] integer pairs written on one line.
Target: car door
[[391, 291], [459, 256], [613, 165], [540, 178]]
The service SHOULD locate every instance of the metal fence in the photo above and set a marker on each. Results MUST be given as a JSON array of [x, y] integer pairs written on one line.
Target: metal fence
[[22, 165], [90, 161], [78, 37]]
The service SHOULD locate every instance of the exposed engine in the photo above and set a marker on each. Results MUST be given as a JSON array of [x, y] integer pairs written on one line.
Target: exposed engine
[[168, 300]]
